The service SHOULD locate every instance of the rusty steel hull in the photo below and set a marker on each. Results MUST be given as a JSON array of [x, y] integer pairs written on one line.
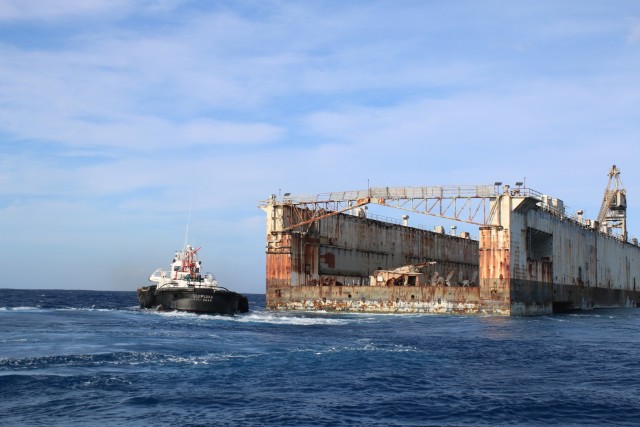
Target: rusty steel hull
[[439, 300], [557, 264], [529, 262], [526, 299], [535, 298]]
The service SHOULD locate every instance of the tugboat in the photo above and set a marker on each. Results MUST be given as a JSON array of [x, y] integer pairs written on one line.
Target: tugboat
[[184, 288]]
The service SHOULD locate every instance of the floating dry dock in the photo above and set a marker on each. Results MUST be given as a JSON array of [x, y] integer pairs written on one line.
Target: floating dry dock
[[325, 253]]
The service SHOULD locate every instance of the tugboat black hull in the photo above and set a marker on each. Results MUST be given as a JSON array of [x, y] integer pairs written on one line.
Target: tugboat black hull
[[193, 299]]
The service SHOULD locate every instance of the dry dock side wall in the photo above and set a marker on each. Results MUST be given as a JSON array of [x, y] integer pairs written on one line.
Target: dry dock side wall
[[557, 264]]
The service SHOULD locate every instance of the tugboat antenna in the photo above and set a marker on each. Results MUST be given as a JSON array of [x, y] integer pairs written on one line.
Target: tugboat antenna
[[186, 233]]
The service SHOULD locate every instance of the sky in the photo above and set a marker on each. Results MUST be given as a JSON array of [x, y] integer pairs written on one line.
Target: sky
[[126, 126]]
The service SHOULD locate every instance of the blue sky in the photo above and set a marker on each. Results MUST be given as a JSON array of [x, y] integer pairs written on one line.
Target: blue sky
[[119, 117]]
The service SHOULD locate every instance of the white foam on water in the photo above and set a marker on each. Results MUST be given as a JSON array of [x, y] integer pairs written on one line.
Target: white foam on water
[[85, 309], [171, 314], [90, 361], [368, 347], [255, 317], [322, 317], [29, 308], [19, 308], [277, 319]]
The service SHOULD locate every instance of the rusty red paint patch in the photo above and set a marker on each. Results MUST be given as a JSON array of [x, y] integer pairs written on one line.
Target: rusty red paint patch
[[330, 259]]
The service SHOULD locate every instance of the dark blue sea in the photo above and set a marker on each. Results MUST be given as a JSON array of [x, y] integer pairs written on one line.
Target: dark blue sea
[[94, 358]]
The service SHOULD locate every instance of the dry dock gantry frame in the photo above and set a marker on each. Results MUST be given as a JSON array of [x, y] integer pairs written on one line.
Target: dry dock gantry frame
[[324, 252]]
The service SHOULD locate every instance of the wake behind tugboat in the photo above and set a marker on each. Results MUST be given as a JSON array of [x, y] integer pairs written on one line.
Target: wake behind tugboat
[[184, 288]]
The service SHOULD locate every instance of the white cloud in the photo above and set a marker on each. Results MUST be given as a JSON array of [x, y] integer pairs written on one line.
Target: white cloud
[[634, 34], [45, 9], [24, 10], [135, 133], [215, 132]]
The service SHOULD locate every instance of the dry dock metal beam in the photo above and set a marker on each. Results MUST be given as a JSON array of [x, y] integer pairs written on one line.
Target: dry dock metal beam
[[470, 204]]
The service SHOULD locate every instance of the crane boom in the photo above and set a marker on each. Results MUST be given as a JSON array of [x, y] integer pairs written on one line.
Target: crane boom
[[613, 212]]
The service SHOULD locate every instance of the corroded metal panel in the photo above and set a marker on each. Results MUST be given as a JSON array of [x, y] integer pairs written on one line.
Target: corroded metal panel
[[530, 298], [440, 300], [571, 297], [356, 246], [495, 271]]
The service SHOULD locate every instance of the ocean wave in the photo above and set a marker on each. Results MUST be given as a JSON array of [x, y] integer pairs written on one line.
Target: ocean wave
[[264, 317], [366, 347], [10, 364], [86, 309], [19, 308], [62, 309], [256, 317], [323, 317], [99, 309], [171, 314]]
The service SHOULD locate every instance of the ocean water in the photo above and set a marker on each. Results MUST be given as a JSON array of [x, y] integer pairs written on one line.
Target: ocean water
[[94, 358]]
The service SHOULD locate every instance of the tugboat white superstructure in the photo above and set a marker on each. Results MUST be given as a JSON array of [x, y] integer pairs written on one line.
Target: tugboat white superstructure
[[185, 288]]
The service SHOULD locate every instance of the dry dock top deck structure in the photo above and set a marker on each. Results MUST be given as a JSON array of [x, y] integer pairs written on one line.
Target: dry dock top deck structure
[[325, 253]]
